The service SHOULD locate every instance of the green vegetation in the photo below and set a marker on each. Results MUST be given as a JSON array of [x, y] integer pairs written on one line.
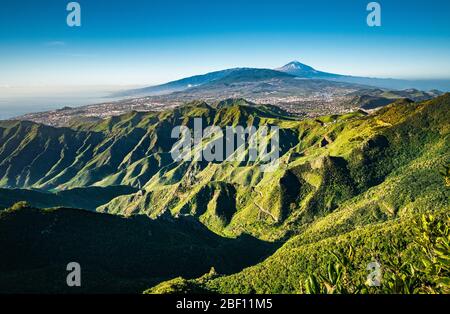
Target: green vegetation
[[116, 254], [350, 190], [413, 254], [88, 198], [420, 266]]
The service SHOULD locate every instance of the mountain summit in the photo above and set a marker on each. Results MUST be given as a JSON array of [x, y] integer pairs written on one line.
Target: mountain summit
[[302, 70], [294, 68]]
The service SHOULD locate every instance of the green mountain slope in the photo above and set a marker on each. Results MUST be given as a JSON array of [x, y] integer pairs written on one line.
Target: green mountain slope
[[341, 178], [116, 254], [384, 185], [88, 198], [392, 157], [324, 163], [339, 264]]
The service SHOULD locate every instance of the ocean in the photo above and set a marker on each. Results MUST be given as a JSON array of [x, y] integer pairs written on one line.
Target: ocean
[[16, 104]]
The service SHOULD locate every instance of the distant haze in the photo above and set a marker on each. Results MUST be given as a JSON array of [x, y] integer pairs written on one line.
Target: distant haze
[[151, 42], [140, 42], [15, 101]]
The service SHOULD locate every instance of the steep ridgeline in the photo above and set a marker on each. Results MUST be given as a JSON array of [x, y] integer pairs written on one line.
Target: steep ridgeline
[[296, 88], [371, 167], [124, 150], [116, 254], [387, 193], [88, 198], [326, 164]]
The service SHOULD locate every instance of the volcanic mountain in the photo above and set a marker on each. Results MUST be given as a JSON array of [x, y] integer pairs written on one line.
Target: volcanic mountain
[[294, 68]]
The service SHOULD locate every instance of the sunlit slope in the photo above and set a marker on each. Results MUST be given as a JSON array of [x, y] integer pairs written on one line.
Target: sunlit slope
[[339, 264], [397, 174], [382, 164], [125, 150]]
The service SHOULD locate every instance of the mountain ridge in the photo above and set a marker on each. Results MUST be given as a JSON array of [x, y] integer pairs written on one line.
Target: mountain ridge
[[355, 180], [113, 259], [295, 68], [299, 69], [296, 88], [134, 149]]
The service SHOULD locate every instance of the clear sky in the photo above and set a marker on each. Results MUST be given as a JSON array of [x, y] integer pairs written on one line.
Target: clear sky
[[141, 42]]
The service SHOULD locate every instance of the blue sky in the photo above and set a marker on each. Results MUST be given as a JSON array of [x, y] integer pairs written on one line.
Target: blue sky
[[138, 42]]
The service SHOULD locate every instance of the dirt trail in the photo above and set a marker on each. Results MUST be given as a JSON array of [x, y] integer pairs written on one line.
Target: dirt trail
[[261, 209]]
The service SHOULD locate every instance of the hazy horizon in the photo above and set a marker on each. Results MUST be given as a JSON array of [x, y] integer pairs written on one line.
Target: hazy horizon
[[45, 64], [19, 100], [152, 42]]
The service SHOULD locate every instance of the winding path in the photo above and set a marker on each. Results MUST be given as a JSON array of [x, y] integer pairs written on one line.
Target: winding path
[[262, 209]]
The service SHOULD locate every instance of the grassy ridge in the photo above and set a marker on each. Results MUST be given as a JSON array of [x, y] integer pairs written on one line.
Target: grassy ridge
[[339, 264], [354, 180], [116, 254], [88, 198], [325, 162], [384, 186]]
